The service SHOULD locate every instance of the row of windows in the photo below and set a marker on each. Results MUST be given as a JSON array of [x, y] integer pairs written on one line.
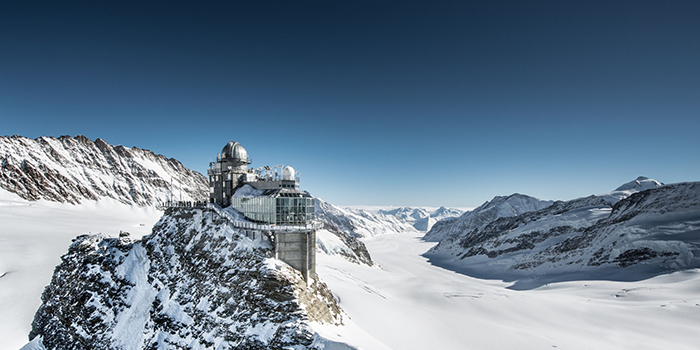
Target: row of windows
[[290, 195], [280, 211]]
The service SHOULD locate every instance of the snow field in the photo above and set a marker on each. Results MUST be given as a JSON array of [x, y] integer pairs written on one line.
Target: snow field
[[410, 304], [34, 236]]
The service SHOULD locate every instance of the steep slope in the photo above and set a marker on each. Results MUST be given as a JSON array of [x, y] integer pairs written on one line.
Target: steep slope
[[648, 232], [73, 169], [500, 206], [194, 283]]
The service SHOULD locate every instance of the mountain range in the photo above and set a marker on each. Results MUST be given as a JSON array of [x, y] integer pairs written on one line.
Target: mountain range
[[642, 228]]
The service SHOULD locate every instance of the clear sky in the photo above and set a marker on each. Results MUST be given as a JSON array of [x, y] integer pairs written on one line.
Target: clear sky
[[375, 102]]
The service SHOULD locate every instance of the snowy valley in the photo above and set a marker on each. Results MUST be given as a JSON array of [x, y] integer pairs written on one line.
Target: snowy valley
[[613, 271]]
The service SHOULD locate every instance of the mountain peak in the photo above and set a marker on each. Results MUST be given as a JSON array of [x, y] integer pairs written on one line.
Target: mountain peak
[[641, 183]]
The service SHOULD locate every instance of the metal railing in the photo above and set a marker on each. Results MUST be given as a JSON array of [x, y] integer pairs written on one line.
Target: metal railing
[[181, 204], [312, 226]]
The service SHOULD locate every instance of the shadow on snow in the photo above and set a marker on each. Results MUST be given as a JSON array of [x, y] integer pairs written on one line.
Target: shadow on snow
[[521, 281]]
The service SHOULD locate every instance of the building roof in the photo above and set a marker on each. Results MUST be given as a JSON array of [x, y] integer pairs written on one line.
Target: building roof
[[234, 151], [286, 192]]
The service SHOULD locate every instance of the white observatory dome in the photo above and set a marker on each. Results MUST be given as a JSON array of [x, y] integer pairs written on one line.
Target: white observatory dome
[[234, 151], [288, 173]]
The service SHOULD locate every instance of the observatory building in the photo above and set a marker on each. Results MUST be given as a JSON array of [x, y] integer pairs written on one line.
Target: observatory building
[[230, 172], [268, 196]]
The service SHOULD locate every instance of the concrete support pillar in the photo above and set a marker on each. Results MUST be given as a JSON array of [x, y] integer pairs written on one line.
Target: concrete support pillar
[[298, 249]]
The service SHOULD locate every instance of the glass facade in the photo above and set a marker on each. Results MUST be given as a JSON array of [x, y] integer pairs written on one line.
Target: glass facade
[[286, 209]]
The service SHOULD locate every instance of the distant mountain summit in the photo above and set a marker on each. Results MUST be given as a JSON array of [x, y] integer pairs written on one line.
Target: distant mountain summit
[[640, 184], [73, 169], [421, 219]]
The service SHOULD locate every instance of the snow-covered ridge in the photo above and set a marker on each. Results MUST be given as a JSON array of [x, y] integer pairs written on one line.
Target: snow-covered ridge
[[498, 207], [195, 282], [73, 169], [652, 230]]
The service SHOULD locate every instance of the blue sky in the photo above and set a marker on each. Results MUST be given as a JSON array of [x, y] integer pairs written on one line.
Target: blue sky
[[376, 103]]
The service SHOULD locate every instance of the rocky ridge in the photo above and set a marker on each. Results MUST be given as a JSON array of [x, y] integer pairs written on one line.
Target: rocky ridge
[[73, 169], [516, 204]]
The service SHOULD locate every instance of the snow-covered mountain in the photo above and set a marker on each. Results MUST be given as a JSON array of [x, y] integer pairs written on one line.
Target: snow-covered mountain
[[651, 230], [46, 178], [641, 183], [344, 227], [73, 169], [422, 219], [361, 223], [196, 282], [500, 206]]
